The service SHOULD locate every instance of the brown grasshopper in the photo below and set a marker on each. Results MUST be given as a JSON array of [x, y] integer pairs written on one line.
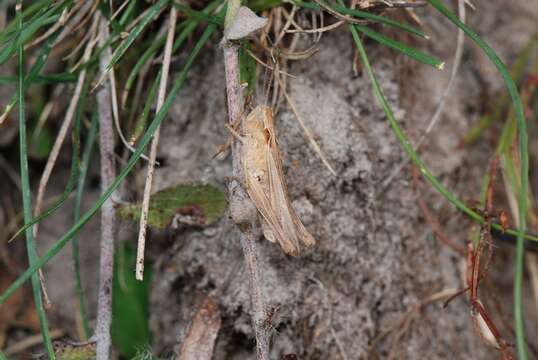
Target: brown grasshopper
[[265, 183]]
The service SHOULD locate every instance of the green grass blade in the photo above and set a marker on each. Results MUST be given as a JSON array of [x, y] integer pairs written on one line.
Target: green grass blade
[[247, 67], [380, 19], [409, 148], [188, 27], [26, 33], [154, 47], [401, 47], [73, 174], [502, 102], [42, 79], [26, 195], [54, 249], [28, 12], [524, 160], [154, 10], [85, 163], [142, 120], [127, 14]]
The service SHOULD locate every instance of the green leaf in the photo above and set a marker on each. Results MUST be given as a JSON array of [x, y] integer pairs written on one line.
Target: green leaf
[[196, 204], [130, 304]]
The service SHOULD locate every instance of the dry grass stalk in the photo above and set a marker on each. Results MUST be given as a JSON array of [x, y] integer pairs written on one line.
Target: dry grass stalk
[[154, 144]]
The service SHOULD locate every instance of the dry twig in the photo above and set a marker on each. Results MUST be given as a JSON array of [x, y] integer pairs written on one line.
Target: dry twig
[[108, 212], [242, 210], [155, 142]]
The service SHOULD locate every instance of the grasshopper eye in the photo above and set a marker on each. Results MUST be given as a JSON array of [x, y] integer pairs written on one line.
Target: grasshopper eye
[[267, 134]]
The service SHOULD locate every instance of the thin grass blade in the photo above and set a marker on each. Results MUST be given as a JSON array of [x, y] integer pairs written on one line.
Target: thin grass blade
[[26, 195], [86, 157], [154, 10], [401, 47]]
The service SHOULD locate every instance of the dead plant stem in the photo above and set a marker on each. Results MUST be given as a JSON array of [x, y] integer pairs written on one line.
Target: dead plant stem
[[242, 210], [108, 212], [154, 144]]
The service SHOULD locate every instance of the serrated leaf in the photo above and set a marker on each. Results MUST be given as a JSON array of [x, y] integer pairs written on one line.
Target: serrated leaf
[[196, 204]]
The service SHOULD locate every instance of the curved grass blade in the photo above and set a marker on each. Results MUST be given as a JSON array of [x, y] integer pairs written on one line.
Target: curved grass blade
[[503, 101], [524, 171], [26, 195], [54, 249], [401, 47], [524, 175], [88, 147], [409, 148], [523, 153]]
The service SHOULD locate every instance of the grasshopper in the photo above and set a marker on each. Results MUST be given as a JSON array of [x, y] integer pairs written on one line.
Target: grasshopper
[[266, 185]]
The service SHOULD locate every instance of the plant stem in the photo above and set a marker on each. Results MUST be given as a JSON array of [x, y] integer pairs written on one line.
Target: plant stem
[[243, 211], [108, 213]]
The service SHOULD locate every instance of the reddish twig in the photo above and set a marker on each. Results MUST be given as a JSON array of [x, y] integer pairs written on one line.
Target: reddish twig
[[477, 271]]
